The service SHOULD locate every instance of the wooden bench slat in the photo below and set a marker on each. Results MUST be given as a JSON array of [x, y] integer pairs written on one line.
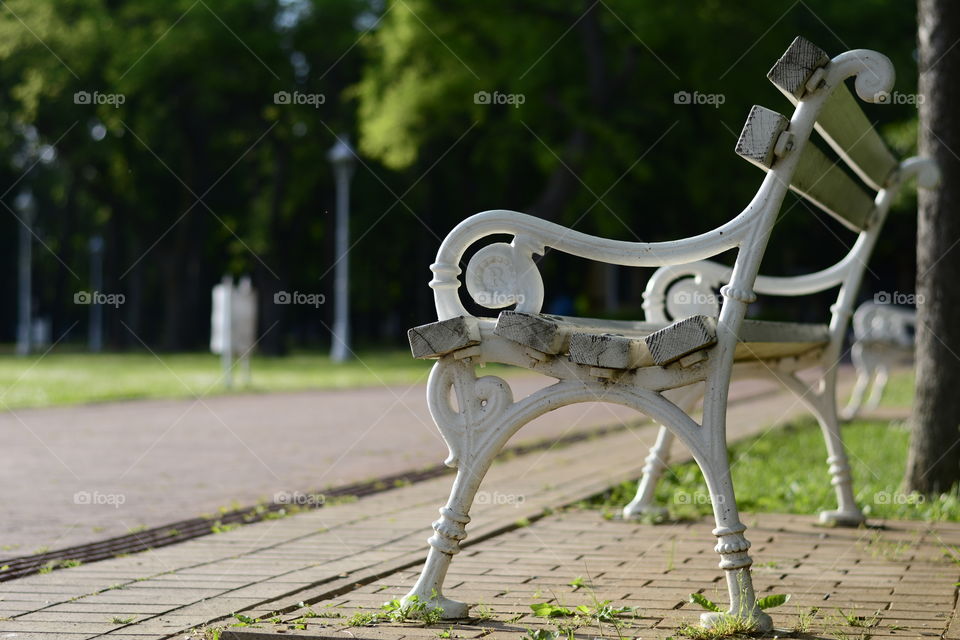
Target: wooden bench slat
[[681, 338], [825, 184], [551, 334], [440, 338], [846, 128], [816, 177], [841, 122], [796, 66], [609, 351], [611, 344], [759, 136]]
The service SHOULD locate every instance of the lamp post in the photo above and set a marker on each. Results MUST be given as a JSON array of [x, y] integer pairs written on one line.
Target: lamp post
[[343, 159], [27, 207], [95, 336]]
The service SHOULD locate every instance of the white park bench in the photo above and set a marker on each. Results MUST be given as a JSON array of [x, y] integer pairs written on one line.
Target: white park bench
[[883, 339], [663, 365]]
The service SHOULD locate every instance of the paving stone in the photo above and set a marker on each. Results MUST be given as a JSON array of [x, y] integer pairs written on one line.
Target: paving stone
[[355, 556]]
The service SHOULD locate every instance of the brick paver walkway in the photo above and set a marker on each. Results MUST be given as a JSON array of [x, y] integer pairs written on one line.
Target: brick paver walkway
[[892, 581], [74, 475], [343, 553]]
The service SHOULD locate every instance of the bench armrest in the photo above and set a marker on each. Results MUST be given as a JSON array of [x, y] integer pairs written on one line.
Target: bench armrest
[[503, 274], [705, 277]]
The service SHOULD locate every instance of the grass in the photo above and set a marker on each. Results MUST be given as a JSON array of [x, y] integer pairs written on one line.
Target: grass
[[785, 471], [899, 391], [74, 378]]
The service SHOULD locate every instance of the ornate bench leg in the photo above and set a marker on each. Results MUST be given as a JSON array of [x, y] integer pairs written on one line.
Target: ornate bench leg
[[847, 514], [449, 530], [879, 384], [732, 546], [656, 462], [864, 374], [467, 430]]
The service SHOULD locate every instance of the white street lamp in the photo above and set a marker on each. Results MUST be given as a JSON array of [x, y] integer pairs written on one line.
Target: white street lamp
[[25, 204], [95, 335], [343, 159]]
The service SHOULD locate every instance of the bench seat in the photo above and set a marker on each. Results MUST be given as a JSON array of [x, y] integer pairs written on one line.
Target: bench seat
[[613, 344]]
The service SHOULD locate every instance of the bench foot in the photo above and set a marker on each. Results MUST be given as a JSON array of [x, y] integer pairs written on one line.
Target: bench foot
[[843, 518], [450, 529], [824, 407], [645, 512], [452, 609], [761, 620]]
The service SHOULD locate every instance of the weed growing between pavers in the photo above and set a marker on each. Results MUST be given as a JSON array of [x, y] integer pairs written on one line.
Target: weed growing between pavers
[[728, 626], [415, 610], [602, 612], [784, 471]]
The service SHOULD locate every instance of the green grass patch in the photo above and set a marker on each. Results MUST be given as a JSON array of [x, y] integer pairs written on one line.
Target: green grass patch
[[899, 391], [72, 378], [785, 471]]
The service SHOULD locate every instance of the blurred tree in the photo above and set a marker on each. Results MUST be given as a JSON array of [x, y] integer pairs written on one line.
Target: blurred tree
[[583, 125], [598, 142], [934, 460], [195, 169]]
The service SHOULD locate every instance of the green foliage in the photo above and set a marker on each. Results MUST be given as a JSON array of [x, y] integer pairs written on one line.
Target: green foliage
[[364, 619], [415, 610], [243, 621], [199, 120], [853, 619], [547, 610], [725, 627], [703, 601], [773, 600]]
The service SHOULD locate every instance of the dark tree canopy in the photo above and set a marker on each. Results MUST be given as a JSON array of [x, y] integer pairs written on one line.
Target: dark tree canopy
[[200, 173]]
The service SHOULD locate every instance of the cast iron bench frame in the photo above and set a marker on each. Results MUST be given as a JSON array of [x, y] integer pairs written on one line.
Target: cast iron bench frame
[[662, 366]]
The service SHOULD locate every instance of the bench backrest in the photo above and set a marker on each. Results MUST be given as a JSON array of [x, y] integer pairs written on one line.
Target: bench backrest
[[840, 122], [858, 198]]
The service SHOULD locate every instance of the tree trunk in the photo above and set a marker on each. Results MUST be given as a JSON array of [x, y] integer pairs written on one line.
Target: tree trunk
[[934, 461]]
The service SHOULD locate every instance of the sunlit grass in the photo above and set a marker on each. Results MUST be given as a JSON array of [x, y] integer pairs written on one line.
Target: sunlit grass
[[784, 470], [71, 378], [899, 391]]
